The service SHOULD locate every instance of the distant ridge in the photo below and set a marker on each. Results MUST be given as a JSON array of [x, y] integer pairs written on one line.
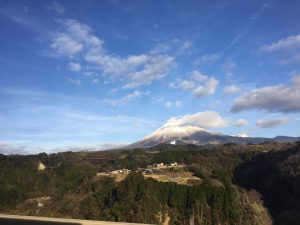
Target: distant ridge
[[179, 135]]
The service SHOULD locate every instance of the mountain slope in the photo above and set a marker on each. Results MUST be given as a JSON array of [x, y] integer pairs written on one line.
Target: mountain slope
[[276, 175], [198, 136]]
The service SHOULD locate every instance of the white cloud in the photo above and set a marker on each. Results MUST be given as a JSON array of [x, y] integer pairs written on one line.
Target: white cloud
[[293, 59], [204, 120], [176, 46], [156, 100], [8, 149], [77, 39], [81, 32], [56, 7], [289, 43], [88, 147], [271, 123], [76, 82], [154, 69], [232, 89], [169, 104], [241, 122], [208, 88], [208, 59], [88, 73], [288, 48], [185, 47], [160, 48], [198, 76], [228, 68], [66, 46], [177, 104], [75, 67], [187, 84], [50, 120], [283, 98], [199, 84], [126, 99], [95, 81], [74, 38]]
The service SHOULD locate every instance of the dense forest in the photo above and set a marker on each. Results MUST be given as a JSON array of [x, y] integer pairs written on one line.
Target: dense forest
[[276, 175], [67, 185]]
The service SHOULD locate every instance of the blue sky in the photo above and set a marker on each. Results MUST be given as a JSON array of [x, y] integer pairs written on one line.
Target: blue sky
[[103, 73]]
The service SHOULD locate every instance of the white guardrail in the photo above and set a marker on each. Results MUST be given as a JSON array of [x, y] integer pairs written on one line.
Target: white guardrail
[[16, 219]]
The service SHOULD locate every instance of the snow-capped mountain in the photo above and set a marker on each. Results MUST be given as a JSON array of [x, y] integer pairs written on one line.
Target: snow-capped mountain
[[188, 134]]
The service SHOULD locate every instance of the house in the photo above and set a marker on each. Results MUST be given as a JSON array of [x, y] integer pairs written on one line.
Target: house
[[125, 171], [115, 172], [174, 164], [147, 171], [159, 165]]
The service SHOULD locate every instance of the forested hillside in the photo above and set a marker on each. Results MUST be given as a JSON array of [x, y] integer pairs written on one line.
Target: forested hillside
[[67, 185], [276, 175]]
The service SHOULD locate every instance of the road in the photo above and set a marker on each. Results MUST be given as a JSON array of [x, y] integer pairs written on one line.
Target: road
[[33, 220]]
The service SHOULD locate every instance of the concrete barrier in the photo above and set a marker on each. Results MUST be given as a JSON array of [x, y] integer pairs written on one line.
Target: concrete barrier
[[34, 220]]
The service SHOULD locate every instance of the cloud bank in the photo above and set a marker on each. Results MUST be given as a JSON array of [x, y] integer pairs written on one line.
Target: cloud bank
[[283, 98], [289, 43], [271, 123], [288, 48], [232, 89], [199, 84], [76, 40], [126, 99], [204, 120], [8, 149], [241, 122]]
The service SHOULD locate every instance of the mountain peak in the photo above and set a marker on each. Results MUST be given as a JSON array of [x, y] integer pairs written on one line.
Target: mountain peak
[[174, 131], [174, 134]]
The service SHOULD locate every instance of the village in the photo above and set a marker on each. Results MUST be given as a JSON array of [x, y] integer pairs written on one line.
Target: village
[[172, 172]]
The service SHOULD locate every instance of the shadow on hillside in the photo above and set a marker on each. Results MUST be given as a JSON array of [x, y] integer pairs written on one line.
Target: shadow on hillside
[[276, 176]]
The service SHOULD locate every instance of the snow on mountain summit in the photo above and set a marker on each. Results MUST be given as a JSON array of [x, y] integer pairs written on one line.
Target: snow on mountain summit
[[186, 126], [169, 131], [193, 129], [172, 133], [242, 135], [187, 134]]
